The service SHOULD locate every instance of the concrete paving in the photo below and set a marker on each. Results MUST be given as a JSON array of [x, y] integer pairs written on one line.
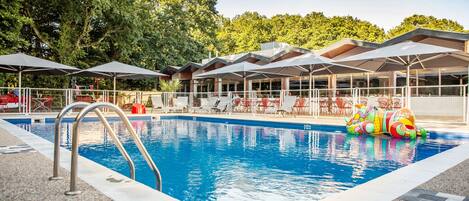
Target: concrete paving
[[24, 175]]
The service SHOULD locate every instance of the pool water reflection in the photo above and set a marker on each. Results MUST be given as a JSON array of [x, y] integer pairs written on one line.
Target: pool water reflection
[[216, 161]]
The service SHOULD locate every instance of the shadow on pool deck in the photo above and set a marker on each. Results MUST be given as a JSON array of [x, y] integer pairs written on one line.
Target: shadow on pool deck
[[24, 175]]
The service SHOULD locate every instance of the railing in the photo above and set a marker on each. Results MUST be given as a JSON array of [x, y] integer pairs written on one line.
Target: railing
[[75, 143], [57, 136], [323, 102]]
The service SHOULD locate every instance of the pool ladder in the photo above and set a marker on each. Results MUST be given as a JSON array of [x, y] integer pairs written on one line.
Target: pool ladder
[[87, 107]]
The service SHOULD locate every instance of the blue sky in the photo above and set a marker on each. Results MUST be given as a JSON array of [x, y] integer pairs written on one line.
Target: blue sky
[[384, 13]]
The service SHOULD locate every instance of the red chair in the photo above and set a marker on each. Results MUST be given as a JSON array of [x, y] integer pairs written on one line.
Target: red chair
[[300, 104], [342, 106], [396, 103], [383, 103], [264, 104], [3, 102], [48, 102]]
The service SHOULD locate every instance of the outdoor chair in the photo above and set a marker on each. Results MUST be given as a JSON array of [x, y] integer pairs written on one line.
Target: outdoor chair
[[181, 104], [300, 105], [156, 102], [396, 103], [224, 105], [207, 104], [3, 103], [287, 105], [343, 106], [264, 104]]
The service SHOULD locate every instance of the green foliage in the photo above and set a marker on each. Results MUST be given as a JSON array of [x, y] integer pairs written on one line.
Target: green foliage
[[170, 86], [423, 21], [313, 31], [156, 33], [11, 23]]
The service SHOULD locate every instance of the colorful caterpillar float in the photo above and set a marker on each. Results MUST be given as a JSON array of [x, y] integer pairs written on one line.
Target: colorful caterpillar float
[[375, 121]]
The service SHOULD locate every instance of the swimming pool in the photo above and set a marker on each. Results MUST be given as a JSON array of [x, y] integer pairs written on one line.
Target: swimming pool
[[219, 159]]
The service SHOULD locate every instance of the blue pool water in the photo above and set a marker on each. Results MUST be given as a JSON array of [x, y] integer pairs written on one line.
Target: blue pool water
[[213, 159]]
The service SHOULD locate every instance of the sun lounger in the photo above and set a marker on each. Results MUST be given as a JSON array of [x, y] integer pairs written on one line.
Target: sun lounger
[[224, 105], [181, 104], [156, 102], [287, 105]]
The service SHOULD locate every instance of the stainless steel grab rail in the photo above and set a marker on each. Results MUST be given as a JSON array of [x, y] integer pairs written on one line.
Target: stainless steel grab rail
[[115, 139], [75, 143]]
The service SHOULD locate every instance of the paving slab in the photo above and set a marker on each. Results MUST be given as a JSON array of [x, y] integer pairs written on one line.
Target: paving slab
[[24, 175]]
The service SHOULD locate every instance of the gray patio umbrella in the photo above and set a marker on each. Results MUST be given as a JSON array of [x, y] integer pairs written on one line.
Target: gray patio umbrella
[[117, 70], [239, 71], [308, 64], [21, 63], [406, 56]]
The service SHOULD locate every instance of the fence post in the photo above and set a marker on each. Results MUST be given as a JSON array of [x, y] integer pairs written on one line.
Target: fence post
[[466, 104]]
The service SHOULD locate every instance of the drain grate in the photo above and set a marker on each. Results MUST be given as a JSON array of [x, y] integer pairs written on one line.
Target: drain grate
[[15, 149]]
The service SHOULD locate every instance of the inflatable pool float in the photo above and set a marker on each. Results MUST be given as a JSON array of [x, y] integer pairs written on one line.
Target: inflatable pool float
[[375, 121]]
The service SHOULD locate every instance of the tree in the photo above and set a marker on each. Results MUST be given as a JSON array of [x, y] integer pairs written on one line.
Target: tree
[[423, 21], [244, 33], [170, 86], [313, 31], [11, 23]]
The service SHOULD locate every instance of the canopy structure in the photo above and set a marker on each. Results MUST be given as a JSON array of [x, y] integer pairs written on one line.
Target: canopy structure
[[21, 63], [239, 71], [308, 64], [117, 70], [407, 56]]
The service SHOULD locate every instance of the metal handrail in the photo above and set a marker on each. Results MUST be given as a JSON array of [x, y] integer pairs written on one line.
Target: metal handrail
[[75, 143], [115, 139]]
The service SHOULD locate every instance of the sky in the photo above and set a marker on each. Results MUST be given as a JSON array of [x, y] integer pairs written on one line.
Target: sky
[[384, 13]]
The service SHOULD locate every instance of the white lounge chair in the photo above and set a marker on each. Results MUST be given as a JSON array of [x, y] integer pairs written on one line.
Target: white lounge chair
[[181, 104], [287, 105], [210, 104], [156, 102], [224, 105]]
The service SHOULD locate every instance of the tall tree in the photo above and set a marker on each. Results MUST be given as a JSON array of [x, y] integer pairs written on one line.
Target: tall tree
[[11, 23], [313, 31], [423, 21], [244, 33]]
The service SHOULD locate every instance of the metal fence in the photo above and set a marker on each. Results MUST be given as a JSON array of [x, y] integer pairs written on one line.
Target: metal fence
[[446, 103]]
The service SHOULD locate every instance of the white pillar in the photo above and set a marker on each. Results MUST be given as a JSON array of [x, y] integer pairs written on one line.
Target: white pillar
[[270, 87], [416, 82], [309, 92], [114, 89], [408, 86], [439, 81], [351, 81], [368, 84], [220, 86]]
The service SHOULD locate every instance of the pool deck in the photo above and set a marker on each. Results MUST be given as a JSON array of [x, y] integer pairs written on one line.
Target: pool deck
[[450, 174], [25, 171], [25, 174]]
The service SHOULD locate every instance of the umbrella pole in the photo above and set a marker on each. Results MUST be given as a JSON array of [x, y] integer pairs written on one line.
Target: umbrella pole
[[19, 91], [114, 84], [245, 87], [408, 87], [309, 92]]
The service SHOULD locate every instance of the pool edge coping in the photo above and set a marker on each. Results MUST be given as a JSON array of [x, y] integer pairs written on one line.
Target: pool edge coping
[[99, 177]]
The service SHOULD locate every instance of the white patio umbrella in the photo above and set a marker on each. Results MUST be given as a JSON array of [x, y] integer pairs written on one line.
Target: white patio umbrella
[[21, 63], [309, 64], [117, 70], [239, 71], [407, 56]]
